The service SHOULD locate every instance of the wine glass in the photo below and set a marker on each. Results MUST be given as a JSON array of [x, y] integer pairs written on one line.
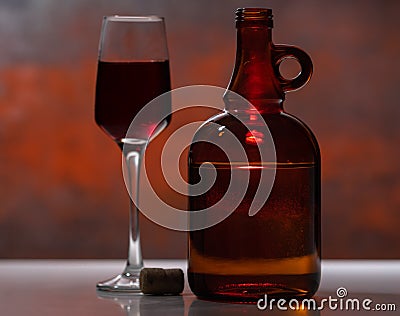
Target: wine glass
[[133, 69]]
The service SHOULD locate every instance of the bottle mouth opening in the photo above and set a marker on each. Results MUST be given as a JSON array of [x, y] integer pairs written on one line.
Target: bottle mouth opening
[[257, 15]]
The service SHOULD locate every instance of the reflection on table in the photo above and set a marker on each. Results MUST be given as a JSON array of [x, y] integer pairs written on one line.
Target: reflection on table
[[67, 287]]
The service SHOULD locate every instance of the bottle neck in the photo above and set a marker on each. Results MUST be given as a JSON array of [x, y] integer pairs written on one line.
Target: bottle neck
[[253, 77], [253, 42]]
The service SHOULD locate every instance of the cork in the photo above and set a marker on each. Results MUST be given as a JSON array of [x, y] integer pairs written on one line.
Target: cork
[[158, 281]]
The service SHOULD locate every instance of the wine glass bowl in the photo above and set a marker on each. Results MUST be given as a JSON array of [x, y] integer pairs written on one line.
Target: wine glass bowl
[[133, 69]]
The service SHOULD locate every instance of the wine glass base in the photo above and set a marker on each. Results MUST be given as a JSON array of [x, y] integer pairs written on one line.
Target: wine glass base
[[127, 282]]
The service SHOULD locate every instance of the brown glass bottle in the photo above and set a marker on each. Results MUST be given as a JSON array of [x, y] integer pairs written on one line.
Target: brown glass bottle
[[276, 251]]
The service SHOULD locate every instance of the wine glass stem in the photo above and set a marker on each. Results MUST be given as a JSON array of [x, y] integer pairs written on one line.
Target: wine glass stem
[[133, 163]]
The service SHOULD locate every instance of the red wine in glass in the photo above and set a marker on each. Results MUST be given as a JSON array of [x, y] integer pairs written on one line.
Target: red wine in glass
[[124, 88]]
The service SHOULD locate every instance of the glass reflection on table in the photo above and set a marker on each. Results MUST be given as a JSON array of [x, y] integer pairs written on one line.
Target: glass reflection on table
[[145, 305]]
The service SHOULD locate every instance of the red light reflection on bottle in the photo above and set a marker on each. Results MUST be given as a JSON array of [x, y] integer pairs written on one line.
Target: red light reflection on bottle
[[254, 137]]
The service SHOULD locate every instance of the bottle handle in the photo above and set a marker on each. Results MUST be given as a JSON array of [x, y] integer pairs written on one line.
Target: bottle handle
[[281, 52]]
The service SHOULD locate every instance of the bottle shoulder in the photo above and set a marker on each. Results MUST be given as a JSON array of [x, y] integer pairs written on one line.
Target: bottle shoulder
[[292, 126], [292, 139]]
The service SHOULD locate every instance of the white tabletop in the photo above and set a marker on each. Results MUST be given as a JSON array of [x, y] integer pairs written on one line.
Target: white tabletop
[[67, 287]]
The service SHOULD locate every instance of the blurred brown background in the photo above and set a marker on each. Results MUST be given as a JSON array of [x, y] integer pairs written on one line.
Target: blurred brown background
[[61, 188]]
